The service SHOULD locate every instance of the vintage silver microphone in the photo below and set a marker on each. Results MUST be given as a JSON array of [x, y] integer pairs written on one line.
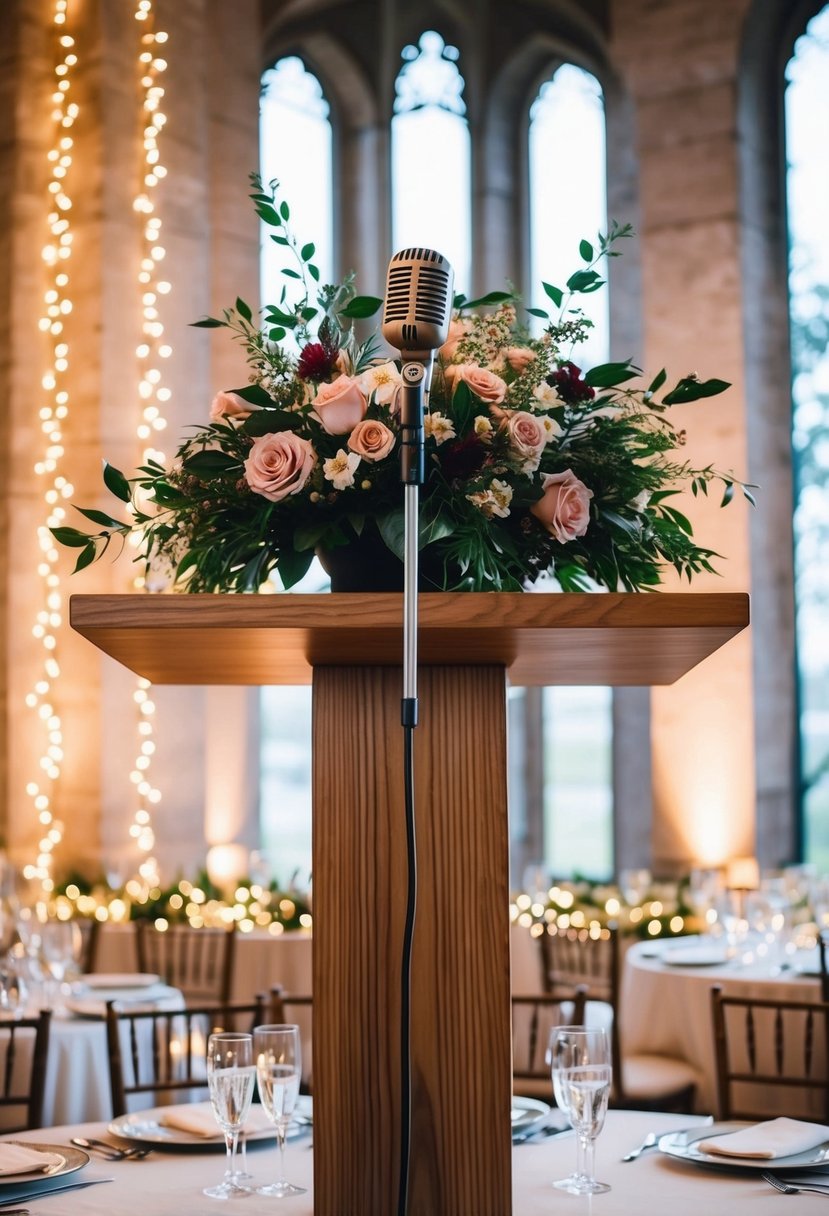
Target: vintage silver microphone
[[415, 320]]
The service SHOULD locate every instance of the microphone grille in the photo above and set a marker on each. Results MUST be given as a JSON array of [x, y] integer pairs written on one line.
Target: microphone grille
[[432, 302]]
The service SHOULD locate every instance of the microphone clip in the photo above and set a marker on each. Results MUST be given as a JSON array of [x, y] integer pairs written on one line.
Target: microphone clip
[[412, 438]]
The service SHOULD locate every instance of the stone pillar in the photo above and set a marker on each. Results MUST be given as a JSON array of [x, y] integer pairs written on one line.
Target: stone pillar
[[679, 60]]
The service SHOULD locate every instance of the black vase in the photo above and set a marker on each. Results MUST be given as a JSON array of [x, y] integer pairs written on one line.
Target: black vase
[[367, 564]]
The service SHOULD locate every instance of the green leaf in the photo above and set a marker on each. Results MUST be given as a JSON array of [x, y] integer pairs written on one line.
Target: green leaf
[[267, 422], [101, 517], [293, 565], [291, 274], [314, 272], [464, 408], [208, 323], [116, 482], [631, 527], [285, 211], [277, 334], [306, 536], [583, 279], [209, 462], [539, 312], [254, 394], [430, 530], [586, 251], [70, 537], [361, 306], [657, 382], [279, 240], [493, 297], [555, 293], [747, 494], [86, 558], [308, 313], [606, 375], [728, 494], [243, 309], [266, 212], [392, 528], [308, 251], [691, 389]]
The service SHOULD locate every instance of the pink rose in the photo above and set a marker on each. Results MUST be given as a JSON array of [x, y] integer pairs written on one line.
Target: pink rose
[[279, 464], [371, 440], [527, 438], [340, 405], [459, 327], [564, 508], [519, 358], [484, 384], [230, 405]]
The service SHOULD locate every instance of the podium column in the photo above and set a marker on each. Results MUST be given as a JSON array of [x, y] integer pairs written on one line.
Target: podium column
[[461, 1025]]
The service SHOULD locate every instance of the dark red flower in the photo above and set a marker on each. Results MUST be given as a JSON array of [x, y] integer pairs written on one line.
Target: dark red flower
[[571, 387], [317, 361], [463, 458]]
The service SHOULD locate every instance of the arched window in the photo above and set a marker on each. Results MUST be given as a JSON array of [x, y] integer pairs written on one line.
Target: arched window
[[295, 148], [807, 186], [430, 155], [568, 202]]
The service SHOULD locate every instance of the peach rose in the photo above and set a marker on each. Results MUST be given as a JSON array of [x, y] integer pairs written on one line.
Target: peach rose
[[340, 405], [484, 384], [528, 438], [519, 358], [279, 464], [371, 440], [230, 405], [459, 327], [564, 508]]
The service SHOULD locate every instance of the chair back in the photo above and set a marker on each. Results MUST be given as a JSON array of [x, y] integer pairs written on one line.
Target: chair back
[[574, 957], [824, 973], [90, 929], [534, 1017], [163, 1052], [771, 1057], [197, 961], [24, 1045], [289, 1008]]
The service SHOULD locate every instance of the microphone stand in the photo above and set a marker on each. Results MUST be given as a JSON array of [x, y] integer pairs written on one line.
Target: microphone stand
[[412, 474]]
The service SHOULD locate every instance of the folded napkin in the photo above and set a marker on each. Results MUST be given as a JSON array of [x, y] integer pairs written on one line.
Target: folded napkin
[[775, 1138], [198, 1119], [18, 1159]]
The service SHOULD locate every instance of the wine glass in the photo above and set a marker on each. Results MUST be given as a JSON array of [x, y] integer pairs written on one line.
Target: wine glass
[[231, 1076], [582, 1074], [561, 1097], [60, 941], [278, 1069]]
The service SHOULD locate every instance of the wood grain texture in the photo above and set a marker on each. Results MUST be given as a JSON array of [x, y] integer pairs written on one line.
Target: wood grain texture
[[617, 639], [461, 1040]]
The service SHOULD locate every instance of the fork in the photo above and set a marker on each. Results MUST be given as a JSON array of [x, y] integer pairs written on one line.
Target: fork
[[110, 1152], [788, 1188]]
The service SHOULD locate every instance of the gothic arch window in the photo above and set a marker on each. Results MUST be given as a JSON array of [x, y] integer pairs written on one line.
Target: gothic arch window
[[567, 142], [430, 160], [807, 194]]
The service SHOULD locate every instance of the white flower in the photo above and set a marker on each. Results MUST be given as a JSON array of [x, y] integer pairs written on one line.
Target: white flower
[[340, 469], [640, 502], [438, 427], [552, 429], [494, 501], [546, 394], [383, 379], [482, 426]]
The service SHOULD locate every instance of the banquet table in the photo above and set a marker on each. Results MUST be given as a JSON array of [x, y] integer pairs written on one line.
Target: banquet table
[[666, 998], [169, 1183]]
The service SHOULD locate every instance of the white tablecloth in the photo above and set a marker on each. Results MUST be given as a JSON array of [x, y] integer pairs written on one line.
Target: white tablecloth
[[667, 1009], [169, 1184]]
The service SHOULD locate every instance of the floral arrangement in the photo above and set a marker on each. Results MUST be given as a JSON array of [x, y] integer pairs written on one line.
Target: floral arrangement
[[532, 465]]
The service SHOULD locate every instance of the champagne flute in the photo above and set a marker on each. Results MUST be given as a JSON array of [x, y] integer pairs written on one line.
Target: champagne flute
[[581, 1070], [231, 1076], [278, 1069], [561, 1097]]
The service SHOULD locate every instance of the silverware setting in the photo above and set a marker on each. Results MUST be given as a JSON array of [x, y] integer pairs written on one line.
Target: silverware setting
[[538, 1133], [652, 1139], [790, 1188], [110, 1151]]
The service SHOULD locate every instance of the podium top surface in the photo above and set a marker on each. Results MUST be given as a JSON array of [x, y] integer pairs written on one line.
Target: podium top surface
[[539, 638]]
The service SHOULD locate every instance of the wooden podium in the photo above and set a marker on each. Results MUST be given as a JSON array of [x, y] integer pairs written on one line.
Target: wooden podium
[[351, 648]]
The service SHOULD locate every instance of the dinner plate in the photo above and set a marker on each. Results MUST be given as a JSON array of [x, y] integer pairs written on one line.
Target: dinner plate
[[526, 1111], [93, 1004], [117, 979], [71, 1159], [147, 1127], [685, 1147], [695, 956]]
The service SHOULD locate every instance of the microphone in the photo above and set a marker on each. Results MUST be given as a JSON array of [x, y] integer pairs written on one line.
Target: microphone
[[418, 304]]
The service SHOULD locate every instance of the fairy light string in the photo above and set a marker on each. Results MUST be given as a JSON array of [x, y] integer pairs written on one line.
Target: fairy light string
[[153, 393], [54, 409]]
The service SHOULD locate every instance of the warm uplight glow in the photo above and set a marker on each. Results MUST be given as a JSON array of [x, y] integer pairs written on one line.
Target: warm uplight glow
[[742, 874], [54, 408], [226, 863]]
